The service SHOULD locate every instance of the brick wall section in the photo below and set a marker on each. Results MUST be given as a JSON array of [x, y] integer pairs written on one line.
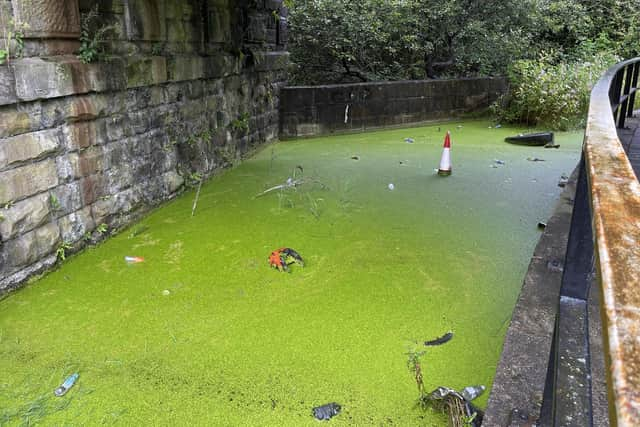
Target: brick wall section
[[320, 110], [88, 144]]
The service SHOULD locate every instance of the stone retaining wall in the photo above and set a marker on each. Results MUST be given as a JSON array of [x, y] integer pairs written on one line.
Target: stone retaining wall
[[189, 88], [320, 110]]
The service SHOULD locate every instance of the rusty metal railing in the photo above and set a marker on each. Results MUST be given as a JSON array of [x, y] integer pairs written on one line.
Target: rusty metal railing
[[604, 239]]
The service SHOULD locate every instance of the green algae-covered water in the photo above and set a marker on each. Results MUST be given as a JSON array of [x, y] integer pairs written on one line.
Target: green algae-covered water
[[203, 332]]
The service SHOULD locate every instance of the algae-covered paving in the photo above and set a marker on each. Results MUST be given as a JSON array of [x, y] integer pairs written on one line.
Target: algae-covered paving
[[205, 332]]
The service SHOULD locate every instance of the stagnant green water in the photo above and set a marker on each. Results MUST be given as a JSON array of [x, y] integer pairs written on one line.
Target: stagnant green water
[[205, 333]]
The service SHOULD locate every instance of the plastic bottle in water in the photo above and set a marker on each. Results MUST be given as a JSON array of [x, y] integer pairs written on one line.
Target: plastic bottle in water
[[66, 385], [472, 391]]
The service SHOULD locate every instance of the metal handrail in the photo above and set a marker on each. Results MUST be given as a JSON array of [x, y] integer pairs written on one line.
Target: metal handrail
[[615, 206], [604, 238]]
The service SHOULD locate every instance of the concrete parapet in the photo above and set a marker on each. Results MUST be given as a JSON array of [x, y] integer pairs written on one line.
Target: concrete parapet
[[319, 110]]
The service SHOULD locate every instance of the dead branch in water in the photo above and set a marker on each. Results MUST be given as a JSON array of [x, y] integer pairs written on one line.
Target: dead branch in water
[[291, 183]]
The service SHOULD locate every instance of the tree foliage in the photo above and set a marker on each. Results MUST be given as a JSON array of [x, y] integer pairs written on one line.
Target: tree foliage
[[550, 93], [347, 41]]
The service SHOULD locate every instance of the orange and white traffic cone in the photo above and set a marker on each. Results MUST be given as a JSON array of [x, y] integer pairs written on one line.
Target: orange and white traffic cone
[[445, 160]]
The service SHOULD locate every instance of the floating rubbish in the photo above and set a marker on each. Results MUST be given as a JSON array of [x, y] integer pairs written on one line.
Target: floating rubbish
[[355, 157], [459, 127], [535, 159], [133, 259], [531, 139], [281, 258], [498, 162], [564, 180], [520, 418], [493, 166], [461, 412], [391, 186], [66, 385], [440, 340], [326, 412], [498, 126], [552, 145], [472, 391], [409, 140], [542, 225], [166, 292], [555, 265]]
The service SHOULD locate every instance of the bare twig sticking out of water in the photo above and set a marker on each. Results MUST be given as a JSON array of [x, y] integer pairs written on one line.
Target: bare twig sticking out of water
[[195, 202], [415, 367], [206, 168], [273, 157]]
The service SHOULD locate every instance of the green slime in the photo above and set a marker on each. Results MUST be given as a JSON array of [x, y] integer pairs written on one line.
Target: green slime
[[204, 332]]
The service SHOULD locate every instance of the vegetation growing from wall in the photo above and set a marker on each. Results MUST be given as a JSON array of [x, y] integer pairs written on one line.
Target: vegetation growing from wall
[[93, 36], [11, 37]]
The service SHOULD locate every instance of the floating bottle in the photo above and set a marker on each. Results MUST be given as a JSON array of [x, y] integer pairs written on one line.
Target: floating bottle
[[133, 259], [472, 391], [66, 385], [327, 411]]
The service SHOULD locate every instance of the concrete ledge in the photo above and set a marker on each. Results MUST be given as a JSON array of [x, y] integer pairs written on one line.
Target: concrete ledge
[[522, 370]]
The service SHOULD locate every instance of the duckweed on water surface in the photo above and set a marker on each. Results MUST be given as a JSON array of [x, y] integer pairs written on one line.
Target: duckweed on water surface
[[204, 332]]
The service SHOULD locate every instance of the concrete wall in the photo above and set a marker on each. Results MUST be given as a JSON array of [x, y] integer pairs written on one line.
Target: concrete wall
[[190, 86], [319, 110]]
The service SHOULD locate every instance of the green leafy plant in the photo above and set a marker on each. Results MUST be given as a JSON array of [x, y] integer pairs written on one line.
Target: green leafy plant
[[102, 228], [191, 141], [9, 204], [2, 218], [469, 421], [61, 251], [93, 36], [241, 124], [206, 137], [54, 202], [12, 38], [157, 49], [193, 178], [87, 236]]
